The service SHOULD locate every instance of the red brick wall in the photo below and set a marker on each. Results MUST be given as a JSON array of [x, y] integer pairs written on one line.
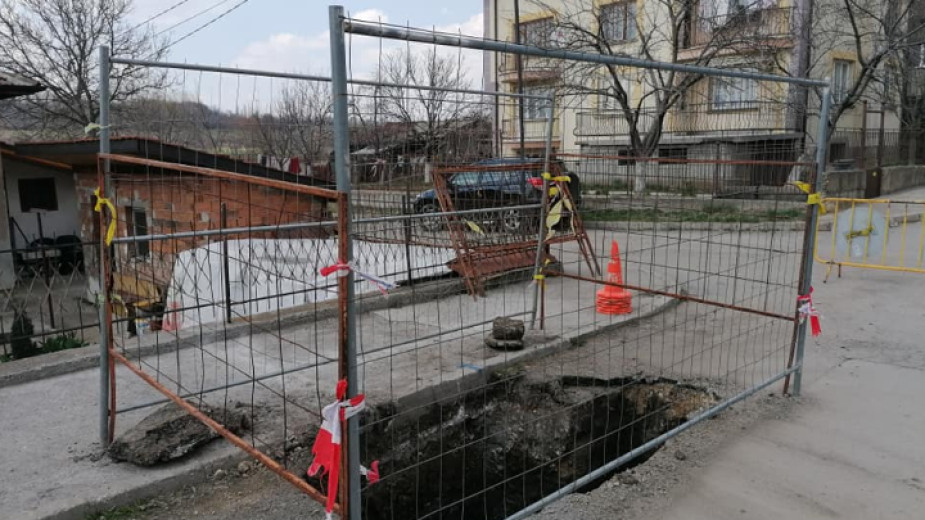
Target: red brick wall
[[175, 203]]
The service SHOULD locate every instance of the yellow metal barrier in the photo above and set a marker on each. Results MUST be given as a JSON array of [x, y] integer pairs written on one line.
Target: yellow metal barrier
[[871, 233]]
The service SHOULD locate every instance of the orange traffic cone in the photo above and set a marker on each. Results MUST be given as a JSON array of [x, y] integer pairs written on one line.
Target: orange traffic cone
[[612, 299]]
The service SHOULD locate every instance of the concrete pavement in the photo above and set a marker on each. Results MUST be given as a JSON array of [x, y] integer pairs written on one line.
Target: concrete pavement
[[853, 448]]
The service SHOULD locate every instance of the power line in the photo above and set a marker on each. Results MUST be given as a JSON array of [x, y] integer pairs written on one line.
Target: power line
[[162, 13], [210, 22], [192, 16]]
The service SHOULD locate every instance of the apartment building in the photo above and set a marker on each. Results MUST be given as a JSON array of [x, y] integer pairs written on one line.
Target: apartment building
[[709, 117]]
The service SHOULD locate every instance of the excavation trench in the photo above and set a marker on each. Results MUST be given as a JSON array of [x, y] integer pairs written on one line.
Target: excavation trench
[[492, 452]]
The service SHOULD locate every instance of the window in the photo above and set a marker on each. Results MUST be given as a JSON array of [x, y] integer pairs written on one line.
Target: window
[[540, 33], [536, 108], [618, 21], [466, 179], [734, 93], [137, 221], [673, 153], [716, 13], [841, 76], [38, 194], [606, 100]]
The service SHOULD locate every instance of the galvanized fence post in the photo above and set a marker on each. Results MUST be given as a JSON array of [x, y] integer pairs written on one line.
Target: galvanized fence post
[[350, 497], [541, 234], [806, 281], [101, 295]]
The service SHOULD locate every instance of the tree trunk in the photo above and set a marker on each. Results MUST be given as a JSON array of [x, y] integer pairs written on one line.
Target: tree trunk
[[642, 171], [428, 171]]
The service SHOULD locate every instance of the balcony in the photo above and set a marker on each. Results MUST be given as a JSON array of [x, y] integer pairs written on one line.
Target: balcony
[[747, 118], [535, 68], [534, 130], [743, 28]]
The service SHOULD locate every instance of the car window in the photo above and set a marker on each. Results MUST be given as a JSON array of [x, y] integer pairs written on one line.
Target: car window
[[466, 179]]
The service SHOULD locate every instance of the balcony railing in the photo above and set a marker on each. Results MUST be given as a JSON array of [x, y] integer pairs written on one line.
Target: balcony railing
[[742, 27], [747, 117], [534, 129], [534, 67]]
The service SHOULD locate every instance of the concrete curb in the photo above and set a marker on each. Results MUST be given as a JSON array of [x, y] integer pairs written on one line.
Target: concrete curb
[[766, 227], [65, 362]]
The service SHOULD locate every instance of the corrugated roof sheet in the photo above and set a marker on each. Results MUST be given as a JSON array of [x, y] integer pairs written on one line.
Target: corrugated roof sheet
[[12, 86]]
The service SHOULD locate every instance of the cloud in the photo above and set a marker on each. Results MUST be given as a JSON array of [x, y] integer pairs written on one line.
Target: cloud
[[370, 15], [286, 52]]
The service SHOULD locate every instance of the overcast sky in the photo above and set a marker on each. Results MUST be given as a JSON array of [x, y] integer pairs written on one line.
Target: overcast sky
[[292, 35]]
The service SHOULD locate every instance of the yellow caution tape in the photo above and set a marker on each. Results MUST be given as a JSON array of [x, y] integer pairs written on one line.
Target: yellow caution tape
[[815, 198], [474, 227], [561, 178], [803, 186], [103, 201], [540, 279], [812, 198]]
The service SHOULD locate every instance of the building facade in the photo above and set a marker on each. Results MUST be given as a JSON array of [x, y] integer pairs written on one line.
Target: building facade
[[625, 112]]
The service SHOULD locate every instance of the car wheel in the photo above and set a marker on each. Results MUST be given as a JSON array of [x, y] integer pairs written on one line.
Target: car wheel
[[511, 220], [429, 219]]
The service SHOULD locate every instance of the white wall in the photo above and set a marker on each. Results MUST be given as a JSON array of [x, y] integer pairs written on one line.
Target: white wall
[[65, 221]]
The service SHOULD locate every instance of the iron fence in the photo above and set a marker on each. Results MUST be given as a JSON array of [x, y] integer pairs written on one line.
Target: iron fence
[[696, 309], [520, 315], [45, 299]]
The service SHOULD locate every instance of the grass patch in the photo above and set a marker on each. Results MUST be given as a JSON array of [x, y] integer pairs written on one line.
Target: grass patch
[[714, 213]]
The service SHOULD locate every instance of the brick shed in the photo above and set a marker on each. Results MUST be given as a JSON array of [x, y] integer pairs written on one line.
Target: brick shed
[[159, 201]]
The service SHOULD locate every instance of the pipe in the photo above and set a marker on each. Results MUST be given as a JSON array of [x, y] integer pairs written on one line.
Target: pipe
[[806, 269], [350, 486], [307, 77], [470, 42]]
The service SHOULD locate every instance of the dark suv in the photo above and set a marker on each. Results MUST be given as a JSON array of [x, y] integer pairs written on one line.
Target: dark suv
[[507, 183]]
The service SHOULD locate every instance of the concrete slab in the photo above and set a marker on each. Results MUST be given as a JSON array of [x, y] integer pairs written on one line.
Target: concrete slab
[[852, 450]]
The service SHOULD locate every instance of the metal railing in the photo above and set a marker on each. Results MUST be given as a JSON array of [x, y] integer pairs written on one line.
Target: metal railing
[[748, 117], [746, 24]]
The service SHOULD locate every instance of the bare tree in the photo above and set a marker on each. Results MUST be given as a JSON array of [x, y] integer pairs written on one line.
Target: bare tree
[[299, 125], [55, 42], [908, 80], [427, 114], [703, 33], [876, 36]]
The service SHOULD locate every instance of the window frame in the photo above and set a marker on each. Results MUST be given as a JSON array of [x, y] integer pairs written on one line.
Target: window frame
[[839, 91], [734, 84], [536, 109], [603, 100], [138, 249], [628, 18], [547, 40]]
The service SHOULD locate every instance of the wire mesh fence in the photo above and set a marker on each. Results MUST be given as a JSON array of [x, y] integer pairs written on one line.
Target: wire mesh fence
[[534, 288], [45, 304], [702, 237]]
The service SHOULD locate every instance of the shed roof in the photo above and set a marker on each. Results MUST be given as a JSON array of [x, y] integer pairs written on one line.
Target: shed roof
[[12, 85]]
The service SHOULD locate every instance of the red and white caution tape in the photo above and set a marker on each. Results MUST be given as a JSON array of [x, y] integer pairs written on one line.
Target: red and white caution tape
[[341, 269], [327, 446], [808, 310]]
